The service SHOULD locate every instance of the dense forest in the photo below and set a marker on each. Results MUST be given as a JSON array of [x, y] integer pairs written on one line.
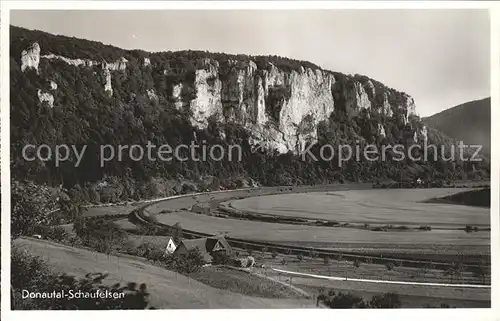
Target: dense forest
[[84, 114]]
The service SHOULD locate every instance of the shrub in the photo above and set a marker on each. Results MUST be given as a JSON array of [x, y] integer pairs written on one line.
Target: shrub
[[468, 228], [387, 300], [30, 204], [283, 261], [300, 257], [188, 263], [150, 251], [390, 266], [220, 258], [274, 254], [424, 228], [356, 263], [343, 301], [326, 260], [58, 234]]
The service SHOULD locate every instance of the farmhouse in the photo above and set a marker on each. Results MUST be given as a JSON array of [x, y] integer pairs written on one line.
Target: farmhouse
[[206, 246]]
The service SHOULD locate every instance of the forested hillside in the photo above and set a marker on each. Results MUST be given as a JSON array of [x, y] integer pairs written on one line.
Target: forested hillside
[[470, 122]]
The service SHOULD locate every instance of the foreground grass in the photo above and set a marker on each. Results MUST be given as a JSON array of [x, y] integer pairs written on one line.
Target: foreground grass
[[169, 290], [242, 282]]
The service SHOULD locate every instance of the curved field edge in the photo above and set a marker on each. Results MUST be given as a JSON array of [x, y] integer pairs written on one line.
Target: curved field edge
[[202, 225], [407, 208]]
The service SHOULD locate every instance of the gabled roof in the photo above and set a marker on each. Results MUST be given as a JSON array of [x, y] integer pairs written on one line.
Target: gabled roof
[[205, 246], [190, 244], [212, 242]]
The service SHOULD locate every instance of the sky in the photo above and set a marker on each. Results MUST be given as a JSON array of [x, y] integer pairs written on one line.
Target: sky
[[440, 57]]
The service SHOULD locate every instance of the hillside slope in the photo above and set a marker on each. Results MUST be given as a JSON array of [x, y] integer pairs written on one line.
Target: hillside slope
[[168, 290], [469, 122]]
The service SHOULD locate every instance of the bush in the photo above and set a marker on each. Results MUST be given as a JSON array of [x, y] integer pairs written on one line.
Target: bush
[[390, 266], [326, 260], [150, 251], [220, 258], [300, 257], [387, 300], [274, 254], [425, 228], [30, 204], [343, 301], [356, 263], [186, 263]]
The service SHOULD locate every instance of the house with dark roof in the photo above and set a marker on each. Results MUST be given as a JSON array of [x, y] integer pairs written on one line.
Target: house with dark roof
[[207, 246]]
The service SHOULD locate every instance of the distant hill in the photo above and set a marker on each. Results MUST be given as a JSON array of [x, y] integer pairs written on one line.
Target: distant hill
[[469, 122]]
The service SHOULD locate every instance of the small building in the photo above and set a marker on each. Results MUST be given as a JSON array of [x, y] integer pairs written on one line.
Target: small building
[[206, 246]]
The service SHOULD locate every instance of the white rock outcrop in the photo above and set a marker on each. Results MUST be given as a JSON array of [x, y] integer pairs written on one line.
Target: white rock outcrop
[[381, 130], [107, 85], [46, 98], [30, 58], [242, 98], [176, 96], [386, 106], [420, 134], [120, 64], [357, 99], [409, 107], [53, 85], [74, 62], [147, 62], [152, 94]]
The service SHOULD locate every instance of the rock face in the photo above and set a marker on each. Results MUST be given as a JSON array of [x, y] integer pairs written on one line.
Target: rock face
[[107, 85], [53, 85], [420, 134], [381, 130], [281, 108], [46, 98], [30, 58]]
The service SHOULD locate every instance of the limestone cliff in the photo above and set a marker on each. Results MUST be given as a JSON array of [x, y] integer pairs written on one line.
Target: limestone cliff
[[281, 108]]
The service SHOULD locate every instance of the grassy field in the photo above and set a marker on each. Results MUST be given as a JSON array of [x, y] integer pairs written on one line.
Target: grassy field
[[296, 234], [388, 206], [341, 268], [168, 289], [243, 283], [377, 206], [412, 296]]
